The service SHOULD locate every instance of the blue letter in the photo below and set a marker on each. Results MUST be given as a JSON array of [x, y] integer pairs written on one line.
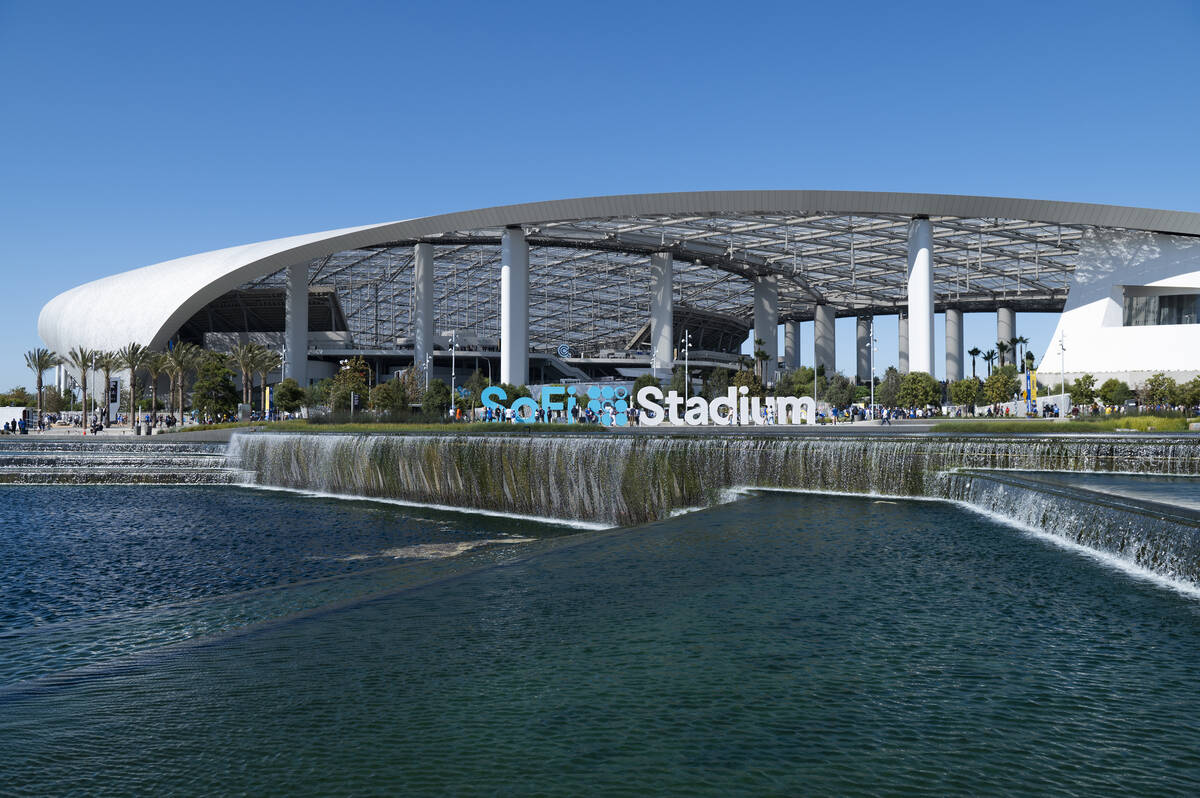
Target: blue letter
[[493, 391]]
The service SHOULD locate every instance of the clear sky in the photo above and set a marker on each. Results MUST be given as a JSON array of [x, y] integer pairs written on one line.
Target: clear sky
[[137, 132]]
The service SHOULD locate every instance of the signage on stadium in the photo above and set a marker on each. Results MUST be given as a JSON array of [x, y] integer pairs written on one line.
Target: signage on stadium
[[612, 406]]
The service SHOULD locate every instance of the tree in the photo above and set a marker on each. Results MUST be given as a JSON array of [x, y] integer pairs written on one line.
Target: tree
[[1159, 390], [647, 380], [1017, 344], [989, 357], [680, 383], [214, 394], [1002, 348], [1114, 392], [1000, 386], [17, 397], [182, 359], [351, 379], [267, 361], [761, 358], [81, 359], [1083, 390], [476, 383], [888, 392], [156, 364], [840, 391], [107, 362], [965, 392], [974, 352], [39, 361], [719, 381], [795, 382], [750, 380], [919, 389], [132, 356], [244, 356], [389, 397], [436, 401], [289, 396], [1189, 393]]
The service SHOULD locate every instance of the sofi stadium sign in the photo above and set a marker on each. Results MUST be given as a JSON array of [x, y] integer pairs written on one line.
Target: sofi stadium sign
[[613, 407]]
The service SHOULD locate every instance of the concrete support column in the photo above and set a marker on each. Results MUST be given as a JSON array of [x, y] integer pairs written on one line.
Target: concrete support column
[[1006, 330], [422, 327], [920, 295], [954, 345], [791, 344], [902, 338], [766, 320], [662, 313], [824, 339], [863, 337], [514, 307], [295, 324]]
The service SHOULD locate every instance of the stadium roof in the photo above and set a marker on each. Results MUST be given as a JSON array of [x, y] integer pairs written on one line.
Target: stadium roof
[[589, 284]]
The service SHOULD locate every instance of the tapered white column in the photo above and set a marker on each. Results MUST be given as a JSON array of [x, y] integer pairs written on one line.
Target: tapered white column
[[954, 345], [863, 340], [791, 344], [824, 339], [295, 325], [514, 307], [422, 327], [662, 313], [766, 320], [920, 295], [1006, 330], [902, 339]]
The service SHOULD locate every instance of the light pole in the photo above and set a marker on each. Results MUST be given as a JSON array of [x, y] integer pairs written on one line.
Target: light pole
[[687, 379], [1062, 371], [453, 344], [872, 368]]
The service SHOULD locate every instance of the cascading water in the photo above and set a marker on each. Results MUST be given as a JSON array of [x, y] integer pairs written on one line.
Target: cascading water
[[111, 461]]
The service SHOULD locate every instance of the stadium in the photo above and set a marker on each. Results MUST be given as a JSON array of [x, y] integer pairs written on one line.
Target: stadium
[[612, 287]]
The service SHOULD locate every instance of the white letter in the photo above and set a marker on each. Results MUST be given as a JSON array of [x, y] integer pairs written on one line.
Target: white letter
[[673, 403], [697, 411], [728, 402], [648, 399]]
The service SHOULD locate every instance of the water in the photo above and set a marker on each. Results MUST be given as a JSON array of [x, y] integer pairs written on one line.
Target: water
[[1179, 493], [40, 461], [783, 644]]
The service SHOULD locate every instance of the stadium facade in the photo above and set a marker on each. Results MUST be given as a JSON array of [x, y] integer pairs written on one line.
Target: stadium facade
[[608, 287]]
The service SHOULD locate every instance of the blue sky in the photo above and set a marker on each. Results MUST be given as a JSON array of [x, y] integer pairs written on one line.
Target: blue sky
[[137, 132]]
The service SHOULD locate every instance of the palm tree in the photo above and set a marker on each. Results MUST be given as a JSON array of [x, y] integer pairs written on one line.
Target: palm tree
[[155, 364], [988, 357], [1017, 343], [39, 362], [82, 360], [268, 361], [133, 357], [974, 352], [181, 359], [107, 363], [1002, 348], [244, 356], [760, 359]]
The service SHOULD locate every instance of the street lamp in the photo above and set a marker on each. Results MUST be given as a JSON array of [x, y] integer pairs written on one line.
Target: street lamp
[[453, 345], [687, 347], [873, 342], [1062, 371]]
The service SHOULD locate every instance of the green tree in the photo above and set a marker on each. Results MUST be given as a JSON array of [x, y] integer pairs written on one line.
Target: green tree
[[243, 356], [888, 391], [680, 383], [182, 359], [795, 382], [1159, 390], [1083, 390], [39, 361], [82, 359], [989, 357], [289, 396], [107, 362], [965, 392], [1000, 386], [214, 393], [974, 352], [156, 364], [1189, 393], [317, 394], [840, 391], [1114, 392], [747, 378], [389, 397], [133, 356], [474, 387], [719, 381], [352, 378], [266, 363], [919, 389], [18, 397], [435, 404]]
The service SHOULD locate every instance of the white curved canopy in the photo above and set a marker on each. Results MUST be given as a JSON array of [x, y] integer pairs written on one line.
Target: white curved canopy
[[149, 304]]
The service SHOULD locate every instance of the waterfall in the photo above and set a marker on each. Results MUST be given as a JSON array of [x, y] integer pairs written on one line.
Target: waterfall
[[81, 462], [629, 479]]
